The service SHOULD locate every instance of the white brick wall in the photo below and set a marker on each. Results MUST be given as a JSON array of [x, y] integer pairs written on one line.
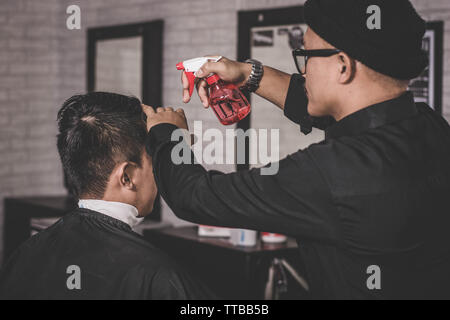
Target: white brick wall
[[42, 63], [28, 99]]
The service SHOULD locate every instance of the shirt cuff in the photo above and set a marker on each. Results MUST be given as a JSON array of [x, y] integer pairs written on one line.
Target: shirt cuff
[[158, 135], [296, 104]]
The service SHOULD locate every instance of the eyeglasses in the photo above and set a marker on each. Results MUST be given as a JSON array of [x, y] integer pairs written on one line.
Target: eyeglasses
[[301, 57]]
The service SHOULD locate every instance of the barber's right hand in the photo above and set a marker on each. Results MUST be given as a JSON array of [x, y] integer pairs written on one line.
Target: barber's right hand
[[228, 70]]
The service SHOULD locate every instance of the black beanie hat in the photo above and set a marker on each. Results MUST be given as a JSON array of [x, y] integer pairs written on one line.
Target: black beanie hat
[[394, 50]]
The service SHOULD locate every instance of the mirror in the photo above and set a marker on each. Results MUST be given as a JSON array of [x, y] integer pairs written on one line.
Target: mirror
[[119, 65], [273, 45], [127, 59]]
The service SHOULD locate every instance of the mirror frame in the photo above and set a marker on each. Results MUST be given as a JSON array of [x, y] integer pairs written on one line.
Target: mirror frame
[[152, 60]]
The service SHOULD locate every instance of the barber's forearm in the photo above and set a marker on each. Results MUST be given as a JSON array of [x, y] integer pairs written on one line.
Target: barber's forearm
[[274, 85]]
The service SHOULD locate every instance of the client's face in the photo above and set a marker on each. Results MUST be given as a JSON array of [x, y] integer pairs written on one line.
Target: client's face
[[133, 184], [320, 77], [146, 189]]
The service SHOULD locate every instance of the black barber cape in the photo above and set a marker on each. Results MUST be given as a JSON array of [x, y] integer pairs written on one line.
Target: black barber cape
[[114, 263], [369, 206]]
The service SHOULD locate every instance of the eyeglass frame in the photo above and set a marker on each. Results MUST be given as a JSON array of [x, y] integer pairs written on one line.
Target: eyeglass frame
[[312, 53]]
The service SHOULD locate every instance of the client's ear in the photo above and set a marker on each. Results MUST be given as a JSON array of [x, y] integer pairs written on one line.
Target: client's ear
[[126, 173]]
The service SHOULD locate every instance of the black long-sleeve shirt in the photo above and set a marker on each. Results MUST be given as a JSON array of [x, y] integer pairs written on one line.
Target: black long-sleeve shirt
[[375, 192]]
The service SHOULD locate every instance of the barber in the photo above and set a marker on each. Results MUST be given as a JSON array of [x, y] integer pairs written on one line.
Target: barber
[[368, 205]]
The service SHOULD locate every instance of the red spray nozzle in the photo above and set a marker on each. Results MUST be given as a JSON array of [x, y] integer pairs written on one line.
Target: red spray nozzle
[[180, 66]]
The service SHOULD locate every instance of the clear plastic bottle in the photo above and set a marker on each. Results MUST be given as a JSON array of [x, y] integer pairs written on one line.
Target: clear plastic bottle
[[227, 101]]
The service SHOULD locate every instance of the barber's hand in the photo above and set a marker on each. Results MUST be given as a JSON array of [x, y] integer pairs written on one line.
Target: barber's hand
[[228, 70], [165, 115]]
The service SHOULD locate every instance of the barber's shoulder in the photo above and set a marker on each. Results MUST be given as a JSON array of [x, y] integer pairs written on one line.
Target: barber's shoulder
[[423, 107], [334, 152]]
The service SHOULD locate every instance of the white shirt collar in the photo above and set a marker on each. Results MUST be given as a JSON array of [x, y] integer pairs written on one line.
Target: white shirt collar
[[117, 210]]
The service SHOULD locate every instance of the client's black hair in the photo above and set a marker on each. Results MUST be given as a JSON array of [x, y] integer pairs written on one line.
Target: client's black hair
[[96, 131]]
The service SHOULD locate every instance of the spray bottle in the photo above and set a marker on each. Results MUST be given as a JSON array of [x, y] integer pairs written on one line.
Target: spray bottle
[[227, 101]]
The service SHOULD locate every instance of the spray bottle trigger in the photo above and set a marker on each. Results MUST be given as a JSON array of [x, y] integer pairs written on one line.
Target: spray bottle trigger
[[191, 79]]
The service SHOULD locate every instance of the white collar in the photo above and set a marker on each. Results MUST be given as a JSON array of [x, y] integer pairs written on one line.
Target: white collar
[[117, 210]]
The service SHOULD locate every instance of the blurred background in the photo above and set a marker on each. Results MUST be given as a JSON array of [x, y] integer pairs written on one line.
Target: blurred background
[[42, 63]]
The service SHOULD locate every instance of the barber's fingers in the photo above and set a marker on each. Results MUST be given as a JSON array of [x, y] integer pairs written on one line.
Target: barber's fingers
[[202, 89], [185, 83], [164, 109], [148, 110], [181, 112]]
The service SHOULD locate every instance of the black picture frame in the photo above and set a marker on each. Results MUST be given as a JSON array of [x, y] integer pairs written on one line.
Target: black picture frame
[[436, 59], [152, 61], [260, 18]]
